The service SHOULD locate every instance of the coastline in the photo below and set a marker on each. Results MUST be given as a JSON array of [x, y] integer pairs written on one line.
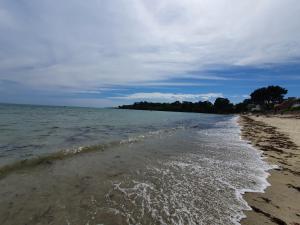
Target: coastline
[[279, 140]]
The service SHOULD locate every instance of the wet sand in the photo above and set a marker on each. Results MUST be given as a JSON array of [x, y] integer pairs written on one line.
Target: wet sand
[[279, 139]]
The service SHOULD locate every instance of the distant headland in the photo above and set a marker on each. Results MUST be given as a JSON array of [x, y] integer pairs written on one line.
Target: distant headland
[[266, 99]]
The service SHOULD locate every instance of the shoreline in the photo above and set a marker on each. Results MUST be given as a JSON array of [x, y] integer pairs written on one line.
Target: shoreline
[[278, 140], [186, 177]]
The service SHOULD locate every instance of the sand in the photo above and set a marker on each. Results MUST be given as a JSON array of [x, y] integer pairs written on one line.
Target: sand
[[279, 139]]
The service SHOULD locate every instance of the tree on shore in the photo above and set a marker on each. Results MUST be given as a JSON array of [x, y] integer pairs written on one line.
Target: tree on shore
[[265, 97], [242, 106], [268, 95], [223, 105]]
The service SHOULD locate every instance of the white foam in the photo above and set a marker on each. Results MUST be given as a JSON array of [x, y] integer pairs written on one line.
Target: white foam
[[263, 178], [206, 187]]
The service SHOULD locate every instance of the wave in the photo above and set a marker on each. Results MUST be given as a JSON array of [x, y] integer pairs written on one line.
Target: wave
[[184, 190], [70, 152], [194, 188], [263, 178]]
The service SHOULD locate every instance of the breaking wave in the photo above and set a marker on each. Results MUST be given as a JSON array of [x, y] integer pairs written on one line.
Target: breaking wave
[[195, 188], [70, 152]]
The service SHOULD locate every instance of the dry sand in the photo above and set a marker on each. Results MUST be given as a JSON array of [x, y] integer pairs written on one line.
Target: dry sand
[[279, 139]]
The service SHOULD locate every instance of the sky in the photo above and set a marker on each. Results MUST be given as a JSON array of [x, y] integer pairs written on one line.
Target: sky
[[104, 53]]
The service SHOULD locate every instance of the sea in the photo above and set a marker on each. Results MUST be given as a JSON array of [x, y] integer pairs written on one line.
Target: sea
[[90, 166]]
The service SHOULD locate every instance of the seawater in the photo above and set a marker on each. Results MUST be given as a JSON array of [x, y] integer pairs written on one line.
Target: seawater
[[123, 167], [28, 131]]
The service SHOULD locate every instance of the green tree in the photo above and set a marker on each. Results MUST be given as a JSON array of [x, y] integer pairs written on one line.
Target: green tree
[[223, 105], [268, 95], [204, 107]]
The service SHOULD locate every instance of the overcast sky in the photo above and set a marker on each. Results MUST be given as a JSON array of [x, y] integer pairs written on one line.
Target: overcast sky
[[110, 52]]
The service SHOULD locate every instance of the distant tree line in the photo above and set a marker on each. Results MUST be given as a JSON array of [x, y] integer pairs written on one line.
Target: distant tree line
[[265, 97]]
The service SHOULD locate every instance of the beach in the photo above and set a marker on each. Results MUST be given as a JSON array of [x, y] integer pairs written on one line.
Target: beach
[[109, 166], [278, 137]]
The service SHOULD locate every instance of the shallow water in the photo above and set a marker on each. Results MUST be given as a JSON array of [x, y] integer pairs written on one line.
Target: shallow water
[[164, 168], [28, 131]]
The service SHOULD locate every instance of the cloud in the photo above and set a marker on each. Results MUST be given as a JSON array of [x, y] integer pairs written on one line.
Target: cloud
[[91, 44], [158, 96], [89, 47]]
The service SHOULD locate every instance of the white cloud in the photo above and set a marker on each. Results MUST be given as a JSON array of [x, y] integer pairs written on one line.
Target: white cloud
[[158, 96], [84, 45]]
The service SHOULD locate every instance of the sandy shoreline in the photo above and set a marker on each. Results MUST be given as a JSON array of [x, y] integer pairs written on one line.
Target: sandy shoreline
[[279, 139]]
